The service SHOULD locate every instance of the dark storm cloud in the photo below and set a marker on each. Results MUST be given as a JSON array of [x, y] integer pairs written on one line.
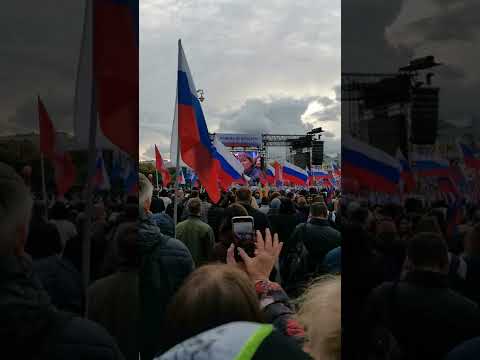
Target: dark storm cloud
[[39, 51], [450, 31]]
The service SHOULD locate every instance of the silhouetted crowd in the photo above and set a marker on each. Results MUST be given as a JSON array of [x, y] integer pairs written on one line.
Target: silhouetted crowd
[[165, 290]]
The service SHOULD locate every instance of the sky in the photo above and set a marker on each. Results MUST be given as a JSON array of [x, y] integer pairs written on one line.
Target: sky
[[381, 36], [270, 66]]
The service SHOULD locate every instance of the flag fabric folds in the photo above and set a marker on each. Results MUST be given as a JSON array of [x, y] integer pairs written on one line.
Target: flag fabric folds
[[102, 181], [405, 173], [160, 166], [230, 169], [115, 52], [370, 167], [270, 174], [294, 174], [196, 147], [61, 160], [471, 161]]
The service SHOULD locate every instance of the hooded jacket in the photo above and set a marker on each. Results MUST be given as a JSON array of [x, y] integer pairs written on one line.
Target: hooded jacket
[[30, 327], [164, 264]]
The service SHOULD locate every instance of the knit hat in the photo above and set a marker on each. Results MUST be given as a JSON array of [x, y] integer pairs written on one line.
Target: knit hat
[[239, 341]]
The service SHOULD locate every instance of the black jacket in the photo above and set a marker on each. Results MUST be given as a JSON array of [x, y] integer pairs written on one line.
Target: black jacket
[[63, 283], [164, 264], [28, 321], [319, 238], [427, 318]]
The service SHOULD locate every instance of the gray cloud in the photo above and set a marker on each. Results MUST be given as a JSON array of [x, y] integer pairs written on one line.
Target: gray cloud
[[40, 48], [282, 115], [256, 61]]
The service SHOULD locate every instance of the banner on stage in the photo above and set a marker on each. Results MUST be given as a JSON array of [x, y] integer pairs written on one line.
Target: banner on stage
[[240, 140]]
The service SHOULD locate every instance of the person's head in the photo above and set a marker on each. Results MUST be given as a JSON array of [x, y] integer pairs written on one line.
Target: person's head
[[157, 206], [428, 251], [244, 195], [258, 162], [320, 313], [301, 202], [274, 195], [318, 210], [145, 192], [275, 203], [127, 242], [212, 295], [194, 194], [404, 225], [194, 206], [246, 161], [472, 241], [286, 206], [15, 212], [99, 212], [59, 211], [386, 235], [230, 212]]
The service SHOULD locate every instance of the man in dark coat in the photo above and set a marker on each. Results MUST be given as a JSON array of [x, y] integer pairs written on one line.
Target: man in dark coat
[[317, 235], [164, 264], [31, 327], [426, 317]]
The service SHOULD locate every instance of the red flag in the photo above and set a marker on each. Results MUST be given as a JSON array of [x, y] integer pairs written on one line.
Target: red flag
[[62, 162], [160, 166], [115, 46], [47, 133]]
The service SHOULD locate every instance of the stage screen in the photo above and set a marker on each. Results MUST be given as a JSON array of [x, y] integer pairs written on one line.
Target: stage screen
[[253, 164]]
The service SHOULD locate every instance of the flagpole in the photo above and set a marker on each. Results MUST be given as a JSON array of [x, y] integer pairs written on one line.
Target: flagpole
[[44, 187], [156, 175], [177, 164], [91, 172]]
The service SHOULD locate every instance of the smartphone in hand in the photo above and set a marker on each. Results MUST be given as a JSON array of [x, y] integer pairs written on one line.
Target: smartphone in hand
[[244, 235]]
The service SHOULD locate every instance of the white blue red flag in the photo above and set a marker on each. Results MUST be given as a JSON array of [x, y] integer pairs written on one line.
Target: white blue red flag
[[197, 150], [294, 174]]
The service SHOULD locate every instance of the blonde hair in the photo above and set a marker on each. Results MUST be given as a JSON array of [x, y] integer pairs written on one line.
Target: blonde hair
[[320, 314]]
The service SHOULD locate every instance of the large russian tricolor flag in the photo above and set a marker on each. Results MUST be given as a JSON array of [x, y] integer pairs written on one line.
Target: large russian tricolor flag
[[294, 174], [432, 167], [369, 166], [471, 161], [195, 146], [230, 169]]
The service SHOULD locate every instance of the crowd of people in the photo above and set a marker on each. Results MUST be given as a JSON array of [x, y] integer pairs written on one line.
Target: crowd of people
[[161, 289]]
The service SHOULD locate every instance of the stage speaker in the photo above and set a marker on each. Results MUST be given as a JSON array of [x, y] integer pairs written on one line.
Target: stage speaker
[[424, 116], [317, 153]]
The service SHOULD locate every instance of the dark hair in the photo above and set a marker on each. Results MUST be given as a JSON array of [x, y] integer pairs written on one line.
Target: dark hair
[[244, 195], [286, 206], [194, 206], [211, 296], [428, 249], [157, 205], [230, 212], [318, 209], [472, 241]]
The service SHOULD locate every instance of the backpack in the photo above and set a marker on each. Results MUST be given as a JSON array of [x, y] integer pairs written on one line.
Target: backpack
[[382, 343]]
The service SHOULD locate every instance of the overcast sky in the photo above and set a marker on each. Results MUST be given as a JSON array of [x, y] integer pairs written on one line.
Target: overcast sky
[[269, 66], [381, 36]]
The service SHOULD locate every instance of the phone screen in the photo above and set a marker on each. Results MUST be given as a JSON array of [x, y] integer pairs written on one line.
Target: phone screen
[[244, 236]]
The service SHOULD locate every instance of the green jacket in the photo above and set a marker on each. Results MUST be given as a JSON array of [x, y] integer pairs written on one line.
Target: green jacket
[[198, 237]]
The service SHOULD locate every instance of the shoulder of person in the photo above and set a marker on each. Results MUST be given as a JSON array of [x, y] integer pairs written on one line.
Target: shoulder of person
[[82, 338], [172, 247]]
